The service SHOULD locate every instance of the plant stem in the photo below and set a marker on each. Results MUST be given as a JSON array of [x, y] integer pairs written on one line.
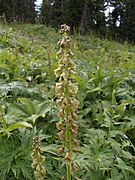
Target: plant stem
[[51, 81], [68, 171], [68, 146], [68, 134]]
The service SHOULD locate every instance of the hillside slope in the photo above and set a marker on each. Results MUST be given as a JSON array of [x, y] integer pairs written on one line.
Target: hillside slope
[[106, 116]]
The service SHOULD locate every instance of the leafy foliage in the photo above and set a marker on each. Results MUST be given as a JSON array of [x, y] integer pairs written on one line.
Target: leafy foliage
[[15, 155], [106, 80]]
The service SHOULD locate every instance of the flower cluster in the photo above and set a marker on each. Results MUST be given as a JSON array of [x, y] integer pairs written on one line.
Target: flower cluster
[[38, 159], [67, 103]]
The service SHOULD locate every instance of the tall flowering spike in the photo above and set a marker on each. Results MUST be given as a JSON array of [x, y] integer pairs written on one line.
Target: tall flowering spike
[[67, 103], [38, 160]]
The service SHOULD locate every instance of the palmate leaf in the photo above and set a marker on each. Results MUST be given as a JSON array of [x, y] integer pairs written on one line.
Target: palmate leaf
[[6, 159], [116, 174], [99, 158], [4, 89], [24, 166], [100, 152], [97, 151], [19, 88], [114, 133], [93, 134], [93, 165], [122, 165], [15, 155], [130, 122]]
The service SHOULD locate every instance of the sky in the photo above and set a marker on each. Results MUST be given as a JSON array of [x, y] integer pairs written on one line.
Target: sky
[[39, 2]]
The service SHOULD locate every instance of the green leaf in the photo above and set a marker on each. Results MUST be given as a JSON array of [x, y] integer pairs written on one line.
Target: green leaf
[[28, 105], [52, 149], [94, 90], [122, 165], [82, 81], [96, 175], [19, 125]]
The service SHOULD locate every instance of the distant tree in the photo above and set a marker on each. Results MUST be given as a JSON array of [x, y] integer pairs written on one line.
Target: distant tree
[[116, 17], [54, 13], [46, 13], [59, 12], [86, 15], [18, 9], [26, 10], [74, 13], [93, 16], [122, 20], [6, 8], [128, 22]]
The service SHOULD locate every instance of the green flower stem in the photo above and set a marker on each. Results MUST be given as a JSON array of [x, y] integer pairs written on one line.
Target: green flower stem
[[68, 137], [68, 133], [50, 81], [68, 171], [68, 147]]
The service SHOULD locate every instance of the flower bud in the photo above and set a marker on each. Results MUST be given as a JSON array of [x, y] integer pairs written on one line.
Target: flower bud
[[61, 134], [74, 132], [59, 125], [61, 150], [74, 168], [76, 142], [62, 178], [67, 157]]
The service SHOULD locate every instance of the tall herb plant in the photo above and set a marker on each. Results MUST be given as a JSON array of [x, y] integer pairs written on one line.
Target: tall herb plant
[[66, 101]]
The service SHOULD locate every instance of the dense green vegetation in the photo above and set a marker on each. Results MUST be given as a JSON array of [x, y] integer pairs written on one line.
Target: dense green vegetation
[[106, 116]]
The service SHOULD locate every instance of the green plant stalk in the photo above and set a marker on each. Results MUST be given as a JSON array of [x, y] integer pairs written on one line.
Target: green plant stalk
[[51, 82], [68, 147], [68, 171], [68, 137], [68, 134]]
